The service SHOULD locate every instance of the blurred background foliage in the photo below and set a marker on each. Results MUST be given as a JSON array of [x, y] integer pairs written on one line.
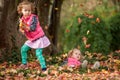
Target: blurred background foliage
[[99, 26]]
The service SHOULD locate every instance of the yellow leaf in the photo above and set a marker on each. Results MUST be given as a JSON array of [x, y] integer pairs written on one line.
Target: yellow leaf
[[56, 8], [104, 71], [117, 61]]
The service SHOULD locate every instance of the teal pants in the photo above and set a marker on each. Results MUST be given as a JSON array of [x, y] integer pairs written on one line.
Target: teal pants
[[24, 50]]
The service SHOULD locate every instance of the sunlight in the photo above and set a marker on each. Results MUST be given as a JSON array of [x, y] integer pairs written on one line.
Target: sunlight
[[1, 3]]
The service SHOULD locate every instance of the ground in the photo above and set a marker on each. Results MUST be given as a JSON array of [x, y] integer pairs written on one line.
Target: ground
[[109, 70]]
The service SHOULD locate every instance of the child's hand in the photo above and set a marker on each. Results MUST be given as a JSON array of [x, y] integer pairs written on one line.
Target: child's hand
[[23, 26], [22, 31], [27, 28]]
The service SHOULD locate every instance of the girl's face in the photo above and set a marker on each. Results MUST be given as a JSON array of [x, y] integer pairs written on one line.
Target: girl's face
[[26, 10], [76, 55]]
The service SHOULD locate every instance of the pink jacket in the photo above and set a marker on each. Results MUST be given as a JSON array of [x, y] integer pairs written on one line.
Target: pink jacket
[[33, 35], [73, 61]]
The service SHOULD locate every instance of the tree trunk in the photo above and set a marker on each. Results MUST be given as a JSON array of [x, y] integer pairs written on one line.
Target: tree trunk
[[55, 23], [3, 17]]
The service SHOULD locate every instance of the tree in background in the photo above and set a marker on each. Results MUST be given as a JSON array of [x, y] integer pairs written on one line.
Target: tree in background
[[115, 31], [100, 10], [89, 33]]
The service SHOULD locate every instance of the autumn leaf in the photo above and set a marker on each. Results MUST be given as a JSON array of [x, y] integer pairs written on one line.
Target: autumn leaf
[[67, 30], [56, 9], [97, 20], [79, 20], [87, 45]]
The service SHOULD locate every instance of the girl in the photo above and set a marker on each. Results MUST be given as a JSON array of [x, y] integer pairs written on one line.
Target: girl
[[30, 27], [75, 57]]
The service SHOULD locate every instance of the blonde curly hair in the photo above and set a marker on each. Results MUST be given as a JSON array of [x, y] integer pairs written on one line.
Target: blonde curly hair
[[71, 52], [20, 6]]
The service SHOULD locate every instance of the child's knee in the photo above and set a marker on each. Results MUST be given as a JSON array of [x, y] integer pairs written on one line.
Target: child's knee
[[38, 52], [24, 48], [84, 64]]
